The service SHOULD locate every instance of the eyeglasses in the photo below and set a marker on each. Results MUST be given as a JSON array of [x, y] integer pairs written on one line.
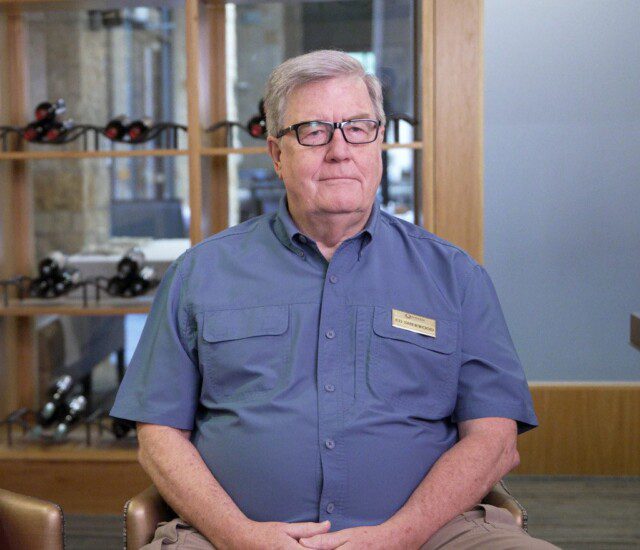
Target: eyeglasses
[[313, 133]]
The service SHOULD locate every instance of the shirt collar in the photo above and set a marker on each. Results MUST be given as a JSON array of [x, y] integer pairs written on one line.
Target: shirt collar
[[288, 233]]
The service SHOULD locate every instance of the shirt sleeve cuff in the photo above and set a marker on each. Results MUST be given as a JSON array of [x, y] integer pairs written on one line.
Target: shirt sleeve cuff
[[525, 417], [148, 417]]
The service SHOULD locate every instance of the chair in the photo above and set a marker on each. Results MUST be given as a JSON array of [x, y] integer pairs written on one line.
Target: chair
[[501, 497], [29, 523], [144, 511], [141, 515]]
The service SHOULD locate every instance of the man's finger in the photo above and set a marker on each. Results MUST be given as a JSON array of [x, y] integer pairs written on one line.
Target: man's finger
[[328, 541], [307, 529]]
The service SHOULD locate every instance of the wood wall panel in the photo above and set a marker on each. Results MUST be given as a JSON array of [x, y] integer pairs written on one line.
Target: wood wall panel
[[92, 487], [20, 242], [585, 429], [458, 155], [217, 103], [193, 37], [425, 36]]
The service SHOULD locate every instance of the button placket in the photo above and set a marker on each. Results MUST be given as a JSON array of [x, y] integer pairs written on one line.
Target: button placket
[[332, 348]]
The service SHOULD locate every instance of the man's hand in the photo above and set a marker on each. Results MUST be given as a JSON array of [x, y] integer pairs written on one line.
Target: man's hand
[[272, 535], [375, 537]]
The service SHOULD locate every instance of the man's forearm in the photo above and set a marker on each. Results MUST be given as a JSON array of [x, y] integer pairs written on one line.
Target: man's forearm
[[186, 483], [456, 482]]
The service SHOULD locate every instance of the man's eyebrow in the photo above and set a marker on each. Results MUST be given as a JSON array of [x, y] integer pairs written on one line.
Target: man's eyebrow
[[359, 115], [352, 117]]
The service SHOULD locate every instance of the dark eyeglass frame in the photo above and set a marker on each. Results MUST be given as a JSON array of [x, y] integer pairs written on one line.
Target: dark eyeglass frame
[[334, 126]]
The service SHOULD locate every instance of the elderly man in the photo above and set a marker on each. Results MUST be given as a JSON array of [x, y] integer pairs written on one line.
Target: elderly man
[[327, 376]]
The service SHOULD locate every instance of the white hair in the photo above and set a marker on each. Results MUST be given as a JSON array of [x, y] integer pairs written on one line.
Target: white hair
[[311, 67]]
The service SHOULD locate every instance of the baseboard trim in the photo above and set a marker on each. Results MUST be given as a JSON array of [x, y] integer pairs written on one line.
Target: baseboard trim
[[586, 428]]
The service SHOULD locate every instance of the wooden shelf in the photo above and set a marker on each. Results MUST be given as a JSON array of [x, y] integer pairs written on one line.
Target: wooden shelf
[[223, 151], [107, 306], [410, 145], [108, 451], [48, 5], [36, 155], [104, 447]]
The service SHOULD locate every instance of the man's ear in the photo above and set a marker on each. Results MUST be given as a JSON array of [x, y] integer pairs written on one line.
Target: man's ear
[[275, 152]]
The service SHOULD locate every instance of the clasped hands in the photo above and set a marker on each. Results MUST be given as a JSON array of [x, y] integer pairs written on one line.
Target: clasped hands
[[316, 536]]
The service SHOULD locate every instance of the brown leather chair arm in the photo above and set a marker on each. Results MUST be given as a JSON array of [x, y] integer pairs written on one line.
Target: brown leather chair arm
[[28, 523], [501, 497], [141, 516]]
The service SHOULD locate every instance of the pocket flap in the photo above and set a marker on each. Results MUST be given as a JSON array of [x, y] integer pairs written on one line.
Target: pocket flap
[[233, 324], [444, 341]]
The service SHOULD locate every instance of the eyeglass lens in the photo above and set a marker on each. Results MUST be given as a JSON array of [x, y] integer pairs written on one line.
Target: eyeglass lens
[[354, 131]]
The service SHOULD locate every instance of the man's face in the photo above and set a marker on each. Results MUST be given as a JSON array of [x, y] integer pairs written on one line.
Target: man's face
[[337, 178]]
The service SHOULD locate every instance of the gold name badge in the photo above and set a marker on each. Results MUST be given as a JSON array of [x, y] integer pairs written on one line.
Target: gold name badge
[[413, 322]]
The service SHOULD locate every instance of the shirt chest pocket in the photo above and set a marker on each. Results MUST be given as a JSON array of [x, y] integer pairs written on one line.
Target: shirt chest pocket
[[244, 352], [413, 371]]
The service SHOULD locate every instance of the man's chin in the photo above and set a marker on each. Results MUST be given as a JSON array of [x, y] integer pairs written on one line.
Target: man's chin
[[344, 208]]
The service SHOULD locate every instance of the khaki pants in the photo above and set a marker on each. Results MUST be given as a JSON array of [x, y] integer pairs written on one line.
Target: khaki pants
[[483, 528]]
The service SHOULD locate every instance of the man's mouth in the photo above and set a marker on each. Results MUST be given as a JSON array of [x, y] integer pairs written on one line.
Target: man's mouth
[[334, 178]]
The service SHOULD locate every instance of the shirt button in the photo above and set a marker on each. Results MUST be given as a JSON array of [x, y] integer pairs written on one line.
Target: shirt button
[[331, 507], [333, 279], [300, 253], [330, 334], [330, 387], [329, 443]]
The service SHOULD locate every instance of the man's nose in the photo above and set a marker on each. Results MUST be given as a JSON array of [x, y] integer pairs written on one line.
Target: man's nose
[[338, 148]]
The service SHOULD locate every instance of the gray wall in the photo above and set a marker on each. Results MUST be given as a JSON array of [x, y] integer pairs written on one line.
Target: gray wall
[[562, 182]]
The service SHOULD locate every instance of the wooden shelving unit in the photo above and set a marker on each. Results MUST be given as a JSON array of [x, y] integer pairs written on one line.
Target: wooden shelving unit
[[54, 154], [61, 306], [448, 161]]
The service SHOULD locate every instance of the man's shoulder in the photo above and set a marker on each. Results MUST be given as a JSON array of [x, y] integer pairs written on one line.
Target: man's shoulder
[[429, 243], [234, 233], [226, 241]]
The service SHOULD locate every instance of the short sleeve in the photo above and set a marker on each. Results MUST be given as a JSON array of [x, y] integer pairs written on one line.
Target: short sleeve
[[162, 383], [492, 381]]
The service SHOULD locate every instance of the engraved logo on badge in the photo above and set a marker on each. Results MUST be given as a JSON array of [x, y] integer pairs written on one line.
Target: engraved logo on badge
[[413, 322]]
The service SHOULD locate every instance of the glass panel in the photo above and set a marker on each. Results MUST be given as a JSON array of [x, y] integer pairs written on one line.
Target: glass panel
[[379, 33], [104, 64]]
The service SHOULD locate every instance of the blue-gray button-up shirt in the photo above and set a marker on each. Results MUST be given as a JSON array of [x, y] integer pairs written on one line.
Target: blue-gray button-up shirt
[[308, 396]]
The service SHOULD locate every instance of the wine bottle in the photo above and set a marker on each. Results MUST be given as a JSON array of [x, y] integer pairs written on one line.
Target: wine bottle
[[131, 263], [143, 282], [75, 411], [257, 125], [58, 129], [117, 127], [52, 264], [139, 128], [49, 111], [49, 272], [52, 409], [68, 280], [133, 278], [55, 278], [121, 427], [36, 131]]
